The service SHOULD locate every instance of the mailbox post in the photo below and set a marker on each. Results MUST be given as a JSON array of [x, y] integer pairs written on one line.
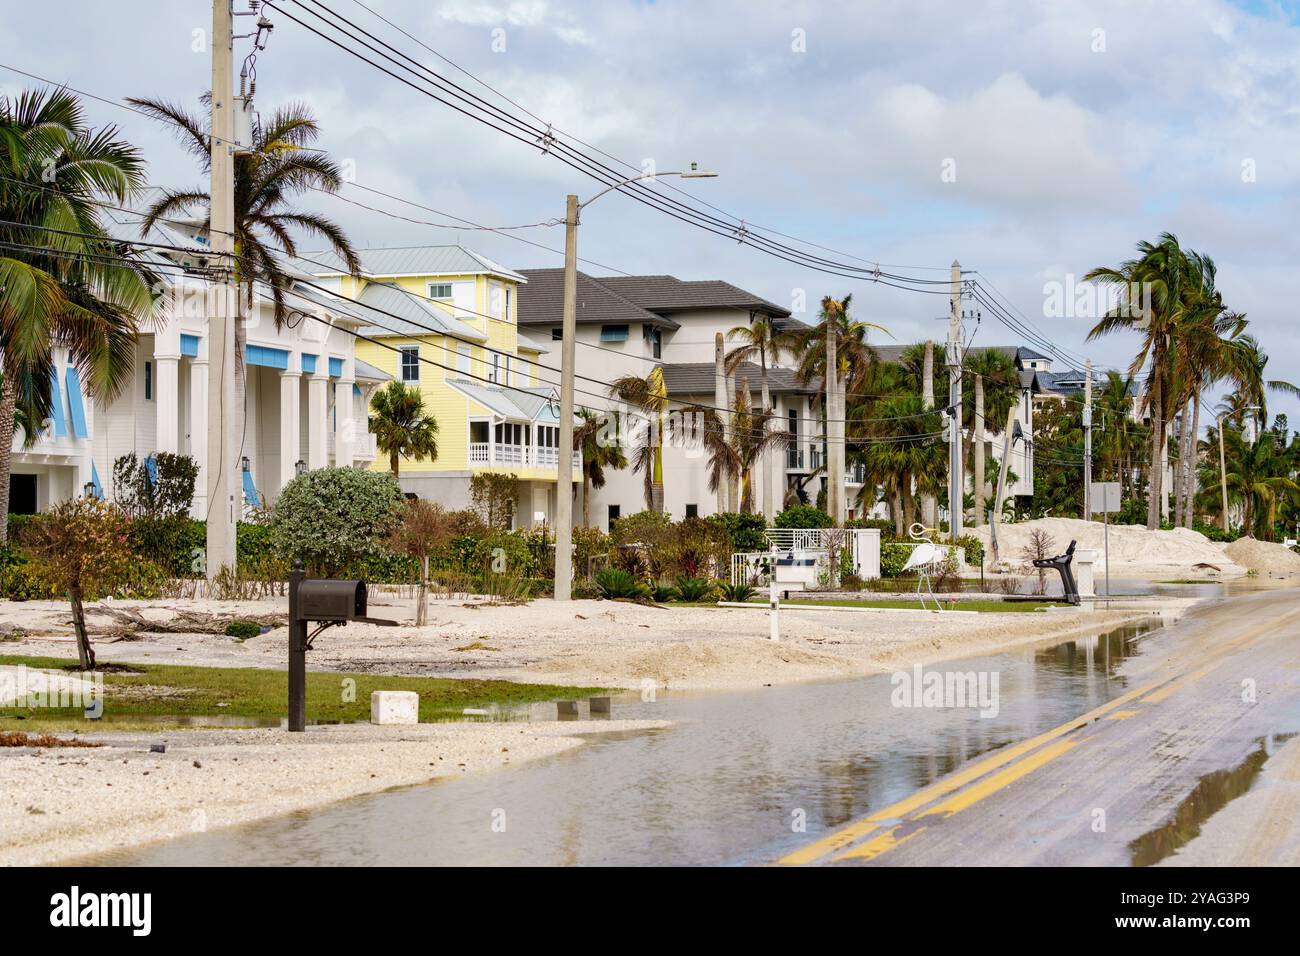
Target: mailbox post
[[329, 603]]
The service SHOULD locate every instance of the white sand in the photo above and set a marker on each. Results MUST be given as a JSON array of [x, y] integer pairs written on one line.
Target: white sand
[[60, 803], [591, 643], [1264, 557], [1134, 551]]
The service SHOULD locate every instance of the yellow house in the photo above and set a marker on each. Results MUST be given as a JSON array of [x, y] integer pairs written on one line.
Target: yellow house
[[444, 319]]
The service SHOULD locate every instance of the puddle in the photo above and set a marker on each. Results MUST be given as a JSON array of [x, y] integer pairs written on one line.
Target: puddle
[[740, 777], [1212, 793]]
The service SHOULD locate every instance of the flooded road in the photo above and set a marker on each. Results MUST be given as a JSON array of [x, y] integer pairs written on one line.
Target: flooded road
[[741, 777]]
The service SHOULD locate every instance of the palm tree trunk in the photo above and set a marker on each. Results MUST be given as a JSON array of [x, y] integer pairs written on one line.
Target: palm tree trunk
[[765, 465], [1178, 467], [1193, 450], [8, 402], [1154, 479], [422, 598], [896, 506], [393, 464], [586, 499]]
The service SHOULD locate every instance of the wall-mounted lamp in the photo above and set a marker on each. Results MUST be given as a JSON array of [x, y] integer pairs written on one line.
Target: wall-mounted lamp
[[300, 467]]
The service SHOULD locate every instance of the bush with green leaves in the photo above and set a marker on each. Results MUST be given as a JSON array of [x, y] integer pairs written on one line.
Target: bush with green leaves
[[744, 531], [974, 549], [616, 583], [165, 491], [803, 516], [243, 629], [737, 592], [663, 593], [331, 518], [693, 590]]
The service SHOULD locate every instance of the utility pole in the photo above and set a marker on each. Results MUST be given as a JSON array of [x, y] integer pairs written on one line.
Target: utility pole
[[1223, 477], [720, 399], [834, 447], [977, 452], [929, 507], [221, 469], [564, 471], [956, 486], [1087, 441]]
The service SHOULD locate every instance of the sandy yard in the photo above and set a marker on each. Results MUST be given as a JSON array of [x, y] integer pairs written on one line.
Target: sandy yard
[[593, 643], [63, 803]]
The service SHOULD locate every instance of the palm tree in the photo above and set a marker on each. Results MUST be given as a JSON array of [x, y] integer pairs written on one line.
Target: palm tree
[[650, 396], [1154, 297], [734, 451], [400, 426], [75, 287], [279, 166], [1115, 434], [1258, 479], [902, 454], [756, 342], [597, 455]]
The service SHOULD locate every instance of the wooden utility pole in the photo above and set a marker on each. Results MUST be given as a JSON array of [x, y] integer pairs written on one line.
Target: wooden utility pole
[[720, 400], [834, 443]]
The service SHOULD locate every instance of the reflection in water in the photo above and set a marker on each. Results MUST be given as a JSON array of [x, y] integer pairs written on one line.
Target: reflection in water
[[1212, 793], [731, 782]]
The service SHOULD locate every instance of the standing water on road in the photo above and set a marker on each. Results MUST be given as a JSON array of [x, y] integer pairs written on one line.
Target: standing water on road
[[741, 778]]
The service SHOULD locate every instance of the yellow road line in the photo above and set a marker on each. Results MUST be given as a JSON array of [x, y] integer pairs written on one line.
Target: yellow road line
[[960, 801], [1148, 693]]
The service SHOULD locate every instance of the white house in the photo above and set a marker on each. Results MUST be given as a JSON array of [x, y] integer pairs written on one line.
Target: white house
[[306, 392]]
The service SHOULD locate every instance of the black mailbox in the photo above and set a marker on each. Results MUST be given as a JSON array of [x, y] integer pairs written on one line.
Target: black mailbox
[[327, 600]]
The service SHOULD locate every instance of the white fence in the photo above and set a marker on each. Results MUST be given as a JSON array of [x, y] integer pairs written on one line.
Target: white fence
[[865, 553]]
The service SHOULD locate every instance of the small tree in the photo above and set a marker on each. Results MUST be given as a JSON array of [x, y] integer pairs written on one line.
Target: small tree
[[80, 538], [167, 492], [1039, 546], [333, 517], [401, 427], [493, 496], [422, 527]]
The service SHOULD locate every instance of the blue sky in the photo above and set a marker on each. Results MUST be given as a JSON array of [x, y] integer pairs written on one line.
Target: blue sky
[[1076, 129]]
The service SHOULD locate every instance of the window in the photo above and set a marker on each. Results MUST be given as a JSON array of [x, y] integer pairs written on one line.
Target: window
[[656, 339], [439, 290], [613, 333], [411, 363], [507, 315], [613, 516], [509, 371], [148, 381], [692, 511], [557, 335], [495, 376], [463, 358], [496, 300]]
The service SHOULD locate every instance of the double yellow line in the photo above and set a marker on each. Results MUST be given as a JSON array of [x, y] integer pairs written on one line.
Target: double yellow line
[[977, 781]]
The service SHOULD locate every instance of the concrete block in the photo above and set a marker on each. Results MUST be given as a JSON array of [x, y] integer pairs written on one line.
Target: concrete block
[[394, 707], [1084, 578]]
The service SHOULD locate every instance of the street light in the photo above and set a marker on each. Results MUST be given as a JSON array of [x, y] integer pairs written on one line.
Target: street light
[[564, 466]]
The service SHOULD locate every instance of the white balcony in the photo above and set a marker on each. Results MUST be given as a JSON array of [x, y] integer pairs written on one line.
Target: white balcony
[[523, 456]]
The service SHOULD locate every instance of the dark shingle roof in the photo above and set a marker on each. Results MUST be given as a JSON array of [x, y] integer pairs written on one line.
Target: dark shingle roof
[[697, 378], [541, 302], [670, 294]]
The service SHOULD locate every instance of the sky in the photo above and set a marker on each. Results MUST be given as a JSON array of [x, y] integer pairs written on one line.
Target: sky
[[1031, 141]]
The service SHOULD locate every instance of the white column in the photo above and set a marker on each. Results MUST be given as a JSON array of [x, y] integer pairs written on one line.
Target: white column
[[167, 398], [290, 426], [317, 412], [199, 431], [345, 423]]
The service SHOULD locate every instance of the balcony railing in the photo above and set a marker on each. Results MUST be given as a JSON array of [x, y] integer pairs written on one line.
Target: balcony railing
[[794, 458], [533, 456]]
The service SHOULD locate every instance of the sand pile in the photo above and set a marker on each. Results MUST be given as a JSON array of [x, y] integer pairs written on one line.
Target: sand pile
[[1133, 549], [1266, 557]]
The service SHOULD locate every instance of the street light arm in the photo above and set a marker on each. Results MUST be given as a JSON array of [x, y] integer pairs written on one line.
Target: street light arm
[[643, 178]]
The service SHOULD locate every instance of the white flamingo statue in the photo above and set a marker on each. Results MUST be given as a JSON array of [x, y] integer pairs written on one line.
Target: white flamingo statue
[[924, 558]]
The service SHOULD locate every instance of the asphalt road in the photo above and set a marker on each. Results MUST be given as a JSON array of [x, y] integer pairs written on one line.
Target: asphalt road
[[1164, 773]]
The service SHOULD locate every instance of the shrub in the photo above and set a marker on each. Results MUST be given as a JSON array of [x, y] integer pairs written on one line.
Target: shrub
[[694, 547], [167, 493], [333, 517], [176, 544], [590, 546], [744, 532], [493, 496], [663, 593], [585, 589], [892, 559], [803, 516], [243, 629], [974, 549], [737, 592], [693, 589], [616, 583]]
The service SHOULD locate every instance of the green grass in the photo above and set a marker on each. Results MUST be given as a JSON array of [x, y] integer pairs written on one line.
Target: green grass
[[1008, 607], [187, 692]]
